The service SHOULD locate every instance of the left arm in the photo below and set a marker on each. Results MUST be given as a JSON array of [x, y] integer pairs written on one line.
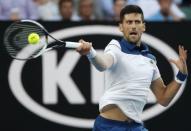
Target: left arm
[[165, 94]]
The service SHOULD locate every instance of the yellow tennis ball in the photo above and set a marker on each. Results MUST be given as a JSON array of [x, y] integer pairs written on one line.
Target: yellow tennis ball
[[33, 38]]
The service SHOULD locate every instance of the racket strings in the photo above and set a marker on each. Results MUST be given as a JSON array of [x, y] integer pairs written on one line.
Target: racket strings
[[16, 38]]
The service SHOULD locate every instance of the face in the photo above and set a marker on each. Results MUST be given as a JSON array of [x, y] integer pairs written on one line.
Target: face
[[66, 10], [86, 8], [132, 27]]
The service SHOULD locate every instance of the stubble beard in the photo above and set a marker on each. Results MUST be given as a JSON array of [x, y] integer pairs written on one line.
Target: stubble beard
[[135, 41]]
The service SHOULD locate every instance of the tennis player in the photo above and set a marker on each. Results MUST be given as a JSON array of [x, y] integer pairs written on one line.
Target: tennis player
[[130, 70]]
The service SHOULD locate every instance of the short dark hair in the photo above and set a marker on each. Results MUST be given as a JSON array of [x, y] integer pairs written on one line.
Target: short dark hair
[[130, 9]]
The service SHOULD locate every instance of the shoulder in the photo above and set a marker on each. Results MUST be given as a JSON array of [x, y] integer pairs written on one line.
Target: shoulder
[[114, 43], [151, 56], [113, 48], [149, 53]]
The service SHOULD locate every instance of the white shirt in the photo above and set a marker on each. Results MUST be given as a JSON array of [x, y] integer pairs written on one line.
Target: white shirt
[[128, 81]]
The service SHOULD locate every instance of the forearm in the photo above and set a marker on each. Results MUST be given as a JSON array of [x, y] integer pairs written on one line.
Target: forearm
[[165, 94], [100, 61], [169, 92], [173, 87]]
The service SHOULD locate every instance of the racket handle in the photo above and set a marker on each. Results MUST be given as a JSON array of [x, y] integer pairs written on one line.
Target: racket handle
[[72, 44]]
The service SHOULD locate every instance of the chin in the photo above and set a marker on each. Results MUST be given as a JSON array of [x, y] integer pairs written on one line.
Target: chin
[[133, 41]]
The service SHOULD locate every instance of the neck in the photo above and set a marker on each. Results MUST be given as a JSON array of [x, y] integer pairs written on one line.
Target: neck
[[138, 43]]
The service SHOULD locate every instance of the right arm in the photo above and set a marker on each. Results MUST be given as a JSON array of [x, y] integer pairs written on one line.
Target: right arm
[[101, 62]]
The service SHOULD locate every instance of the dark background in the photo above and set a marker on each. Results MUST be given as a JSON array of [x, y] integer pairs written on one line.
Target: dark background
[[15, 116]]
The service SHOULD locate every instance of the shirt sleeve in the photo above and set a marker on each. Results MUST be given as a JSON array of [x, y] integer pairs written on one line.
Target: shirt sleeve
[[113, 49], [156, 74]]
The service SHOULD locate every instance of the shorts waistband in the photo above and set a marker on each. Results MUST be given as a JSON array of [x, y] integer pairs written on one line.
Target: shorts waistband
[[115, 122]]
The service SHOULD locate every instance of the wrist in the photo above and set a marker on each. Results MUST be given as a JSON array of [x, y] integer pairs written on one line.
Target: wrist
[[92, 53], [180, 77]]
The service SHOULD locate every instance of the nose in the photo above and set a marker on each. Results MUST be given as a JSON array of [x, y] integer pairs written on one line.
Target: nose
[[133, 26]]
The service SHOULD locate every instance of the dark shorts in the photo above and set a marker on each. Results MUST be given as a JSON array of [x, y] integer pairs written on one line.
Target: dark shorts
[[103, 124]]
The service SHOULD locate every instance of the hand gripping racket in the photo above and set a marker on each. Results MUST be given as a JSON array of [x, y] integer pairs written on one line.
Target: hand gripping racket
[[18, 46]]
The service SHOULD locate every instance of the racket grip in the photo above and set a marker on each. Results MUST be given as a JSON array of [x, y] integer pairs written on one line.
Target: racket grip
[[72, 44]]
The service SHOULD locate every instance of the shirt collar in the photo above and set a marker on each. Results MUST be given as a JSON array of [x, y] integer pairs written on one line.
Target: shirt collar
[[127, 46]]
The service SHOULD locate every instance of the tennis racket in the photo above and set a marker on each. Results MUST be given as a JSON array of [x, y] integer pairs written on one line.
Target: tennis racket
[[18, 46]]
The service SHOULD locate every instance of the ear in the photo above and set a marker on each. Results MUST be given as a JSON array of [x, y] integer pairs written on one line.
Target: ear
[[120, 27]]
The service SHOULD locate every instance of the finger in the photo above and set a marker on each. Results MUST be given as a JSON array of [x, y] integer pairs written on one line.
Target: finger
[[84, 47], [180, 50], [87, 47], [182, 54], [81, 41], [81, 46], [185, 54], [182, 47]]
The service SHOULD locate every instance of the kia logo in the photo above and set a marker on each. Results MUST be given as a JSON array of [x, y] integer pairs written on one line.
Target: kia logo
[[69, 88]]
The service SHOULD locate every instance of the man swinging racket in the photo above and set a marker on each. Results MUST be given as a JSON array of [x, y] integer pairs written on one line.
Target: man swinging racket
[[130, 70]]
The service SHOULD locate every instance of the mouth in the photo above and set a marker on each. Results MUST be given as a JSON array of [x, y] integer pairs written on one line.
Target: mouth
[[133, 33]]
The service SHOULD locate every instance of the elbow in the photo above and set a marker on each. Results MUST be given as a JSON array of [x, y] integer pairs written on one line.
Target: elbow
[[100, 69], [163, 103]]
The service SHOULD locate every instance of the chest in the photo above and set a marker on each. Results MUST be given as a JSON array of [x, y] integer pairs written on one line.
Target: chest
[[136, 65]]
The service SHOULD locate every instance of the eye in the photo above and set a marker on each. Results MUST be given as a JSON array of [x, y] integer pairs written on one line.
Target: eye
[[137, 22], [129, 22]]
